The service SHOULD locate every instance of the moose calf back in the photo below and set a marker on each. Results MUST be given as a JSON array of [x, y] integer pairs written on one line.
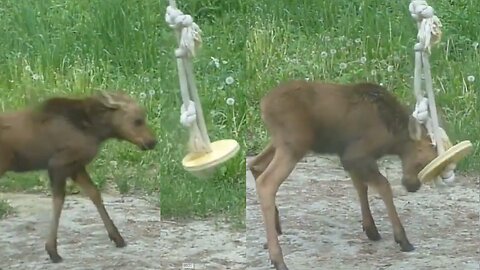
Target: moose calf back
[[326, 118]]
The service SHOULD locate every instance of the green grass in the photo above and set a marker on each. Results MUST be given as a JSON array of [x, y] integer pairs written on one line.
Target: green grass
[[295, 40], [70, 48], [5, 209]]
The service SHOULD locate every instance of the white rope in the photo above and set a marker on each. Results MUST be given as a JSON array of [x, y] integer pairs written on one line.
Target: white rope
[[189, 40], [188, 115], [429, 33]]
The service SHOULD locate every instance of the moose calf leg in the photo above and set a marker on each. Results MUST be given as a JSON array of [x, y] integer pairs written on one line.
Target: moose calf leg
[[267, 186], [58, 198], [383, 187], [257, 166], [84, 181], [368, 224]]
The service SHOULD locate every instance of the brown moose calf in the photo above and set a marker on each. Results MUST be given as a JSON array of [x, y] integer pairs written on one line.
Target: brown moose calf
[[62, 136], [360, 123]]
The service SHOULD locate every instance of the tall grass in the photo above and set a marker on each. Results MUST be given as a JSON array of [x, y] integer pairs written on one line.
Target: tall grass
[[55, 47], [348, 41], [5, 209]]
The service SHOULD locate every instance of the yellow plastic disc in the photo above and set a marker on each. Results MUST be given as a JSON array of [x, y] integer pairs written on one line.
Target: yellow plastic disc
[[204, 164], [453, 155]]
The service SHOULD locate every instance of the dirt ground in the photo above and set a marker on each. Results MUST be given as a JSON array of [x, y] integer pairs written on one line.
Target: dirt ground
[[84, 245], [321, 221]]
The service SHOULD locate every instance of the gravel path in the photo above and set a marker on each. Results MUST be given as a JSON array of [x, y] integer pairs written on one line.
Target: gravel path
[[84, 245], [321, 220]]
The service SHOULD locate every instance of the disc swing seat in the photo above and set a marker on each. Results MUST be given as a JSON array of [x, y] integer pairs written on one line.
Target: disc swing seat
[[204, 156], [441, 169]]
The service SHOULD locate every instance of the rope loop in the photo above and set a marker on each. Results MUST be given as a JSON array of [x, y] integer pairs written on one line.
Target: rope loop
[[448, 174]]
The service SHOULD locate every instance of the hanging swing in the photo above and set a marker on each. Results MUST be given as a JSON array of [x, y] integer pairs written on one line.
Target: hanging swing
[[441, 169], [204, 157]]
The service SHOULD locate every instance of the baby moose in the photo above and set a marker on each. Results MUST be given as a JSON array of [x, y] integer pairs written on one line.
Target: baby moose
[[358, 122], [62, 136]]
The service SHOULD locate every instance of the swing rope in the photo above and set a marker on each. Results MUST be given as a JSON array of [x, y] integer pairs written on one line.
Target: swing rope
[[189, 40], [429, 33]]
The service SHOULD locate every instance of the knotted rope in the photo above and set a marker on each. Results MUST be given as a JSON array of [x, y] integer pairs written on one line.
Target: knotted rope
[[429, 33], [189, 40]]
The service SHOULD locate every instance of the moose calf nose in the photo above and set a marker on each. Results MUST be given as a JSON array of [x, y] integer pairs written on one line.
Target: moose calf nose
[[151, 144], [413, 187]]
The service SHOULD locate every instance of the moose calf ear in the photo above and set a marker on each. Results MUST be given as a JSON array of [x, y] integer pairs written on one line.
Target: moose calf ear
[[414, 128], [107, 100]]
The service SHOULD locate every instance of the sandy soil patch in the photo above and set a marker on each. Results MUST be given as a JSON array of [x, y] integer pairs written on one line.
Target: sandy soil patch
[[84, 245], [321, 220]]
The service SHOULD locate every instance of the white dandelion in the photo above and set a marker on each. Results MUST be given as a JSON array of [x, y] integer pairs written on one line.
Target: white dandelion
[[143, 95], [358, 40], [151, 92], [363, 59], [28, 68], [323, 54], [343, 66], [471, 78], [215, 62], [230, 101], [35, 77], [373, 72], [333, 51], [229, 80], [475, 45], [390, 68], [113, 163]]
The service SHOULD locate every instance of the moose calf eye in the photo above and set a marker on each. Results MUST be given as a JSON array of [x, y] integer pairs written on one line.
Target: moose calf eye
[[138, 122]]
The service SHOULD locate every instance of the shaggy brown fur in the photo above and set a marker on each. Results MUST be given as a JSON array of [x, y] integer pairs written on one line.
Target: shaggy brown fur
[[63, 136], [360, 123]]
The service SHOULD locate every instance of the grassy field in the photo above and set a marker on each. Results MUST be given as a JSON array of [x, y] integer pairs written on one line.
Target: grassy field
[[73, 47], [351, 41]]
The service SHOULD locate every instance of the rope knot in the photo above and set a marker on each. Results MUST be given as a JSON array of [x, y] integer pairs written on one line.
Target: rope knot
[[429, 32], [189, 32], [419, 9], [418, 47], [176, 19], [421, 111], [188, 115]]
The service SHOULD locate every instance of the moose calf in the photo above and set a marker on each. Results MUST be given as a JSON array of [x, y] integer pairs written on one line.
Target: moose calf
[[360, 123], [63, 136]]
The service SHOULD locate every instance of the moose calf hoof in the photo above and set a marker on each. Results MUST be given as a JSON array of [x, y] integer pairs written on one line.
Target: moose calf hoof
[[372, 233], [54, 257], [120, 243], [118, 240], [406, 247], [265, 245], [53, 254], [280, 266]]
